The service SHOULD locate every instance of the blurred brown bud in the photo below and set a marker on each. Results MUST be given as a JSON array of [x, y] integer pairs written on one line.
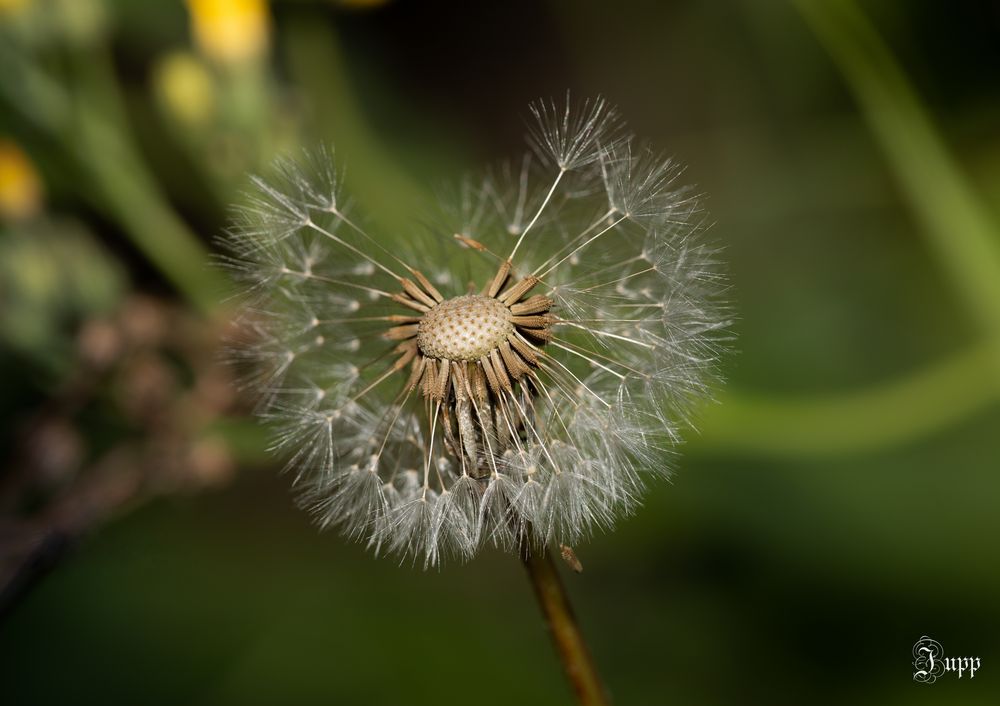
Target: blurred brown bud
[[215, 390], [99, 343], [54, 451], [144, 322], [147, 387], [210, 463]]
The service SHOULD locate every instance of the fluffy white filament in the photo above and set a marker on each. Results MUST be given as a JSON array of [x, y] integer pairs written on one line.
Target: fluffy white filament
[[629, 347]]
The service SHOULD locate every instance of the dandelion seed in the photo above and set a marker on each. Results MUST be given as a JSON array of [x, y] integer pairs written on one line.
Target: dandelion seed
[[515, 374]]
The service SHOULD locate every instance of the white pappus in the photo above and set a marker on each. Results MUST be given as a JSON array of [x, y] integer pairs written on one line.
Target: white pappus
[[512, 373]]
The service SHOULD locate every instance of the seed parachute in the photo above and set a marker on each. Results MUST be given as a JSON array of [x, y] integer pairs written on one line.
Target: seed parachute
[[511, 373]]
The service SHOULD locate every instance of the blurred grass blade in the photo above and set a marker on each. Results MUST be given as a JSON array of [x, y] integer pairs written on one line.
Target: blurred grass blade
[[96, 135], [131, 191], [317, 67], [896, 412], [957, 224], [962, 235]]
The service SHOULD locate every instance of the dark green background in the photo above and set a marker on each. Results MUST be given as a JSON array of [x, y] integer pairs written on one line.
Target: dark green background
[[789, 573]]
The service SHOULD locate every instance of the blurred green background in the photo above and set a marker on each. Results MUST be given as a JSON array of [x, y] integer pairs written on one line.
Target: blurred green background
[[839, 503]]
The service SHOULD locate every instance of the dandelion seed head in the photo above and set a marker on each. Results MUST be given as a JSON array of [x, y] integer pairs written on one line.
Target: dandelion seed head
[[465, 328], [516, 373]]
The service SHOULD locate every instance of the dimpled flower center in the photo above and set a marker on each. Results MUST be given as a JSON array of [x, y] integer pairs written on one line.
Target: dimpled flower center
[[464, 328]]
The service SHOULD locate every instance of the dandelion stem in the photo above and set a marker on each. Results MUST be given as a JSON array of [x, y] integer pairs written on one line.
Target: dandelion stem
[[565, 631]]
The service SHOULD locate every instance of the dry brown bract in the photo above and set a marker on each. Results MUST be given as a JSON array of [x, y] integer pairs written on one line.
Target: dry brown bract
[[467, 354]]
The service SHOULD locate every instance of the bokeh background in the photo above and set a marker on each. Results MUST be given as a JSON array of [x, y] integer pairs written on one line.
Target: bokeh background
[[840, 502]]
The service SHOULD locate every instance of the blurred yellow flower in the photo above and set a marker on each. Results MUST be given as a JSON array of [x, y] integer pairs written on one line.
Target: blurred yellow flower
[[12, 6], [230, 31], [185, 88], [20, 185]]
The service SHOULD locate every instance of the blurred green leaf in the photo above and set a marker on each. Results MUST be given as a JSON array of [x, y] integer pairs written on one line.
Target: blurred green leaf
[[958, 226]]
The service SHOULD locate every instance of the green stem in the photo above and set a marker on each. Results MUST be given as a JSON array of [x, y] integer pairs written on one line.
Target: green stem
[[130, 189], [957, 224], [89, 124], [960, 232], [877, 417], [318, 67], [565, 631], [157, 231]]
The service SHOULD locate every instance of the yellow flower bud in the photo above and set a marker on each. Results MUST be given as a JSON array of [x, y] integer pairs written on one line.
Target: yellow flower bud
[[20, 185], [11, 7], [185, 88], [230, 31]]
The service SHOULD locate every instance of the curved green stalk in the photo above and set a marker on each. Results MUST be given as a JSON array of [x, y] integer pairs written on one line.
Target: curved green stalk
[[891, 413], [956, 223], [317, 65], [961, 234]]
